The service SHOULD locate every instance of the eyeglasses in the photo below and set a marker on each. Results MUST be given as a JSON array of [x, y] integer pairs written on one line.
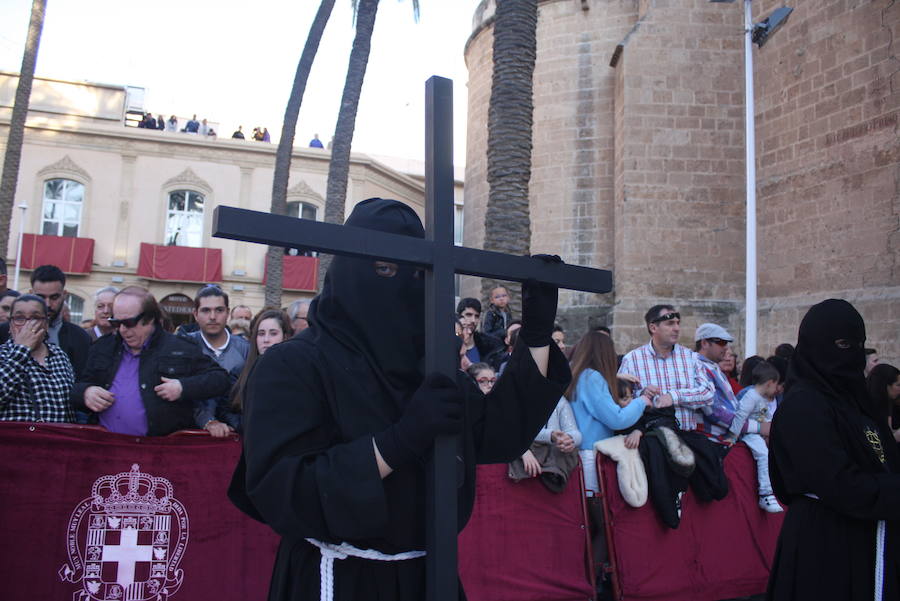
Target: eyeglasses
[[20, 320], [128, 322], [718, 341], [667, 317], [486, 380]]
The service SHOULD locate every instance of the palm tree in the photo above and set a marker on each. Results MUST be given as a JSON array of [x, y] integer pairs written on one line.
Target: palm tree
[[339, 169], [275, 255], [16, 135], [510, 116]]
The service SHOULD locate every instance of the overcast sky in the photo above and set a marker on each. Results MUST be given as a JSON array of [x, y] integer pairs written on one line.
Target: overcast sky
[[233, 62]]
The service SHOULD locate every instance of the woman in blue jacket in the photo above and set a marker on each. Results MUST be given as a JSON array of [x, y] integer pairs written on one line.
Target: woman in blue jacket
[[599, 408]]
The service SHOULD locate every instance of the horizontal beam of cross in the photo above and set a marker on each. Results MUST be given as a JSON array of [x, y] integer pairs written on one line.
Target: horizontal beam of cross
[[276, 230]]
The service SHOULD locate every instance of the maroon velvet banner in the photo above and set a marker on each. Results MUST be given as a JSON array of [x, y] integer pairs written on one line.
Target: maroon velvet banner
[[721, 550], [523, 542], [298, 273], [72, 255], [180, 263], [88, 515]]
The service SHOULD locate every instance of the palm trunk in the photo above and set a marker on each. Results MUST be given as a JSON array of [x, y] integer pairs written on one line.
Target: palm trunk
[[507, 222], [16, 135], [339, 170], [275, 255]]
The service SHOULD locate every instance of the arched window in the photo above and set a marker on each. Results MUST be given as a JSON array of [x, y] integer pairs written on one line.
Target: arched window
[[76, 308], [303, 210], [184, 219], [63, 199]]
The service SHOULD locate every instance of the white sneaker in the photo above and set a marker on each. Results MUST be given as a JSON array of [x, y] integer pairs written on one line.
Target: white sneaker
[[770, 503]]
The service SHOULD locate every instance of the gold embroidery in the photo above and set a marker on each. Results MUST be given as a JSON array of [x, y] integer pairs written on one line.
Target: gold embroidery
[[875, 441]]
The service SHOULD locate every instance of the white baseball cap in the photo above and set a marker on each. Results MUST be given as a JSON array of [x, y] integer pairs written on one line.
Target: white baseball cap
[[706, 331]]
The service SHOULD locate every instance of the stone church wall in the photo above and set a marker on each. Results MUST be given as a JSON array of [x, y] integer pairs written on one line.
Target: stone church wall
[[639, 168]]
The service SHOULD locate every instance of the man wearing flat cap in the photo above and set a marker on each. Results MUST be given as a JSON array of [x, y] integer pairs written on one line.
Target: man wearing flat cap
[[711, 341]]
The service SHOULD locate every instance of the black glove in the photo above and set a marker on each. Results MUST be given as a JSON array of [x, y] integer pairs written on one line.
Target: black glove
[[435, 409], [539, 302]]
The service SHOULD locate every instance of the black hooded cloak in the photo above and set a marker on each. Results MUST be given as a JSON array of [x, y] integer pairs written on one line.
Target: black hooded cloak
[[315, 401], [832, 464]]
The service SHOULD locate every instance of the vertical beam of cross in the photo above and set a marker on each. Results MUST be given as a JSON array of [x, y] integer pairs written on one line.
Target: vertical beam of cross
[[442, 579]]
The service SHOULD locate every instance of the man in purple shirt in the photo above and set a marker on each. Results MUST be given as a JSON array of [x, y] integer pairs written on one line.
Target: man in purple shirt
[[142, 380]]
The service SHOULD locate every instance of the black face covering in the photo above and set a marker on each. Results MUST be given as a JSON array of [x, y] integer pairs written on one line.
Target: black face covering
[[830, 353], [369, 313]]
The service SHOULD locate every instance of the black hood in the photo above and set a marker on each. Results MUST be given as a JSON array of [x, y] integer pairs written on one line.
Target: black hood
[[835, 371], [381, 318]]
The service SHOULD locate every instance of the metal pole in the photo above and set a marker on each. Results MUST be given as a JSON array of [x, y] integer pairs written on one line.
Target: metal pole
[[750, 160], [24, 208]]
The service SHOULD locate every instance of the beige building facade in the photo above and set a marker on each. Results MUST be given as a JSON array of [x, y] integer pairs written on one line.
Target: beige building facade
[[84, 174], [638, 161]]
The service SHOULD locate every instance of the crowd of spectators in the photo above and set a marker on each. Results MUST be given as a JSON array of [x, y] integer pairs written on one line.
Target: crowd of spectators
[[126, 369], [673, 409], [192, 126], [203, 128]]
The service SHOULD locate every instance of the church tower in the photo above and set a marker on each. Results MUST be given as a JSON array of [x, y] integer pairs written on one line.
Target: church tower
[[638, 160]]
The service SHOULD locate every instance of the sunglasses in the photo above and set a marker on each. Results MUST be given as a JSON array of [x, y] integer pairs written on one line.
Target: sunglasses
[[486, 380], [129, 322], [718, 341], [667, 317]]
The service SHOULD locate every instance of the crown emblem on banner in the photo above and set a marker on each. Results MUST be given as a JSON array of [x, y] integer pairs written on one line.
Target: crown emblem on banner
[[133, 492]]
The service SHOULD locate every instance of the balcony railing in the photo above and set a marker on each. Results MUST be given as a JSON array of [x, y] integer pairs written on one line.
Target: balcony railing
[[72, 255], [300, 274], [180, 263]]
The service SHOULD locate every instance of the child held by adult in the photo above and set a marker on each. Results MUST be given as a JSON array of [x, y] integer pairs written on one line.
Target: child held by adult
[[498, 315]]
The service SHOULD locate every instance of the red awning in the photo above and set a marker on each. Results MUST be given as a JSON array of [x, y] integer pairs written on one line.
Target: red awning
[[180, 263], [299, 274], [72, 255]]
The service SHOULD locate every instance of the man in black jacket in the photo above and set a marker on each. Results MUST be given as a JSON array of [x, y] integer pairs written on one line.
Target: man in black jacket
[[142, 380], [49, 283], [480, 347]]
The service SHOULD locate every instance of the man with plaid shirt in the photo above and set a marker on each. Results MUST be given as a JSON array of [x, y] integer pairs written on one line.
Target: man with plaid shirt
[[671, 375], [36, 376]]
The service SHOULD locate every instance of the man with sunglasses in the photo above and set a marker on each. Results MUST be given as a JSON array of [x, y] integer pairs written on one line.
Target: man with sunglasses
[[711, 343], [671, 375], [143, 381]]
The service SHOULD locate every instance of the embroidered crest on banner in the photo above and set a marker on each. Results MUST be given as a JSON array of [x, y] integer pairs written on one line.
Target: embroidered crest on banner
[[126, 540]]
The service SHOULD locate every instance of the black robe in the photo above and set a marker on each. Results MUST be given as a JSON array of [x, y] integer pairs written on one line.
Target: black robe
[[307, 476], [824, 442]]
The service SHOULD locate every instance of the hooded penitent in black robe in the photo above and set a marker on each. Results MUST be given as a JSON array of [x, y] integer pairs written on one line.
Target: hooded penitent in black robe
[[315, 401], [828, 441]]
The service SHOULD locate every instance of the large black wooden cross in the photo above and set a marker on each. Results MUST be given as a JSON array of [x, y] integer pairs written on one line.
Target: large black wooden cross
[[441, 259]]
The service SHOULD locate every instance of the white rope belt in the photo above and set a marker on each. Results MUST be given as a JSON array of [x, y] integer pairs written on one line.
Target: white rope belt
[[880, 530], [879, 560], [331, 552]]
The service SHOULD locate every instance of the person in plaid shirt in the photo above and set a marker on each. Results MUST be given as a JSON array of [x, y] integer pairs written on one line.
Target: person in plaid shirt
[[36, 376], [672, 375]]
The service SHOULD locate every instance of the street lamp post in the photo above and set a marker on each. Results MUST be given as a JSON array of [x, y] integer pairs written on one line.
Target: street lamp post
[[759, 34], [750, 169], [24, 208]]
